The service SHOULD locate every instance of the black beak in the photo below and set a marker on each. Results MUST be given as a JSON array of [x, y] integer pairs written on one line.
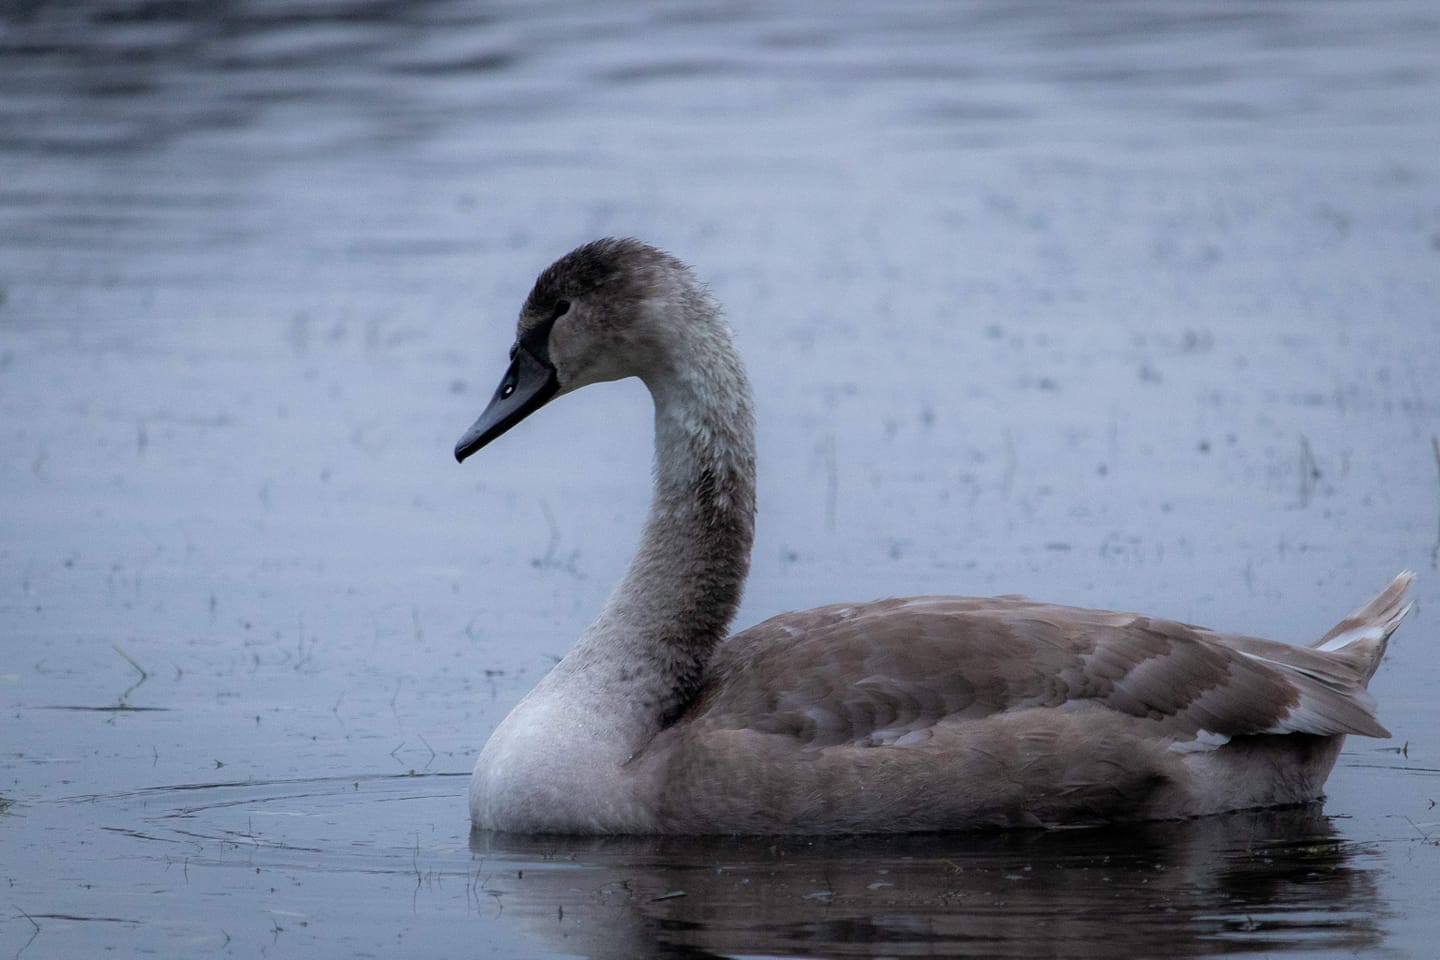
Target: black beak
[[528, 384]]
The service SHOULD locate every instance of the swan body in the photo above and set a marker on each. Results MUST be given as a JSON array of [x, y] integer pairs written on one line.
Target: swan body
[[925, 713]]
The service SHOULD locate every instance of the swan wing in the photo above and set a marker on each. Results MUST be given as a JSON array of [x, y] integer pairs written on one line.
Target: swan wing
[[886, 673]]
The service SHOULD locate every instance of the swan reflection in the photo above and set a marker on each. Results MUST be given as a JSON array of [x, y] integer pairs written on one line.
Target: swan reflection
[[1272, 880]]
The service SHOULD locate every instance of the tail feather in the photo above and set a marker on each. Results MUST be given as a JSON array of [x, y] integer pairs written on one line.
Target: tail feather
[[1361, 637]]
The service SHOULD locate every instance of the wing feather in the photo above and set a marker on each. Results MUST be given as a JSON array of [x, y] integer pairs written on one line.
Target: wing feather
[[883, 673]]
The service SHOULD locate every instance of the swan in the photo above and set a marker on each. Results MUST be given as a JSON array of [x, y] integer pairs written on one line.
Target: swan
[[923, 713]]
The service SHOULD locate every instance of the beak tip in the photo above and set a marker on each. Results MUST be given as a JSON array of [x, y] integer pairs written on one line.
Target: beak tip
[[528, 385]]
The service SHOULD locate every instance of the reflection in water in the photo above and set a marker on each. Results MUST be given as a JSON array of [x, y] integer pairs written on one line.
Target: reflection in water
[[280, 81], [284, 853], [1271, 880]]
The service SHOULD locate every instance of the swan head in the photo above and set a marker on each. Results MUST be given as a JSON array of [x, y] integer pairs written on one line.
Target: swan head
[[604, 311]]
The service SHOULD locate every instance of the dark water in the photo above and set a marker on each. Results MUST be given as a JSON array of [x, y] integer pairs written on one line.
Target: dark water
[[1125, 305]]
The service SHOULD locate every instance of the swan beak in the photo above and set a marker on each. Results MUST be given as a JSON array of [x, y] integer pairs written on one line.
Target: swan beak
[[526, 387]]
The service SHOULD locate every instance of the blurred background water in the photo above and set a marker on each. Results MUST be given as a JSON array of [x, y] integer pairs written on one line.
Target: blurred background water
[[1128, 305]]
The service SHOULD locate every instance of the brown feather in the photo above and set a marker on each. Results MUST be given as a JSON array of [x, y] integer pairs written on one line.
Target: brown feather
[[957, 711], [842, 674]]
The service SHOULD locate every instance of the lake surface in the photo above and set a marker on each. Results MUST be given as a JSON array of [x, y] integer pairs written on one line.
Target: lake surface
[[1133, 306]]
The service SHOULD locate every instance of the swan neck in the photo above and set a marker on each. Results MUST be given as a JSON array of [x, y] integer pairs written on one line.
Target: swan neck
[[684, 585]]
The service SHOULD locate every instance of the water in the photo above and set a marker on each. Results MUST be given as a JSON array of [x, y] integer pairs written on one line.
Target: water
[[1127, 306]]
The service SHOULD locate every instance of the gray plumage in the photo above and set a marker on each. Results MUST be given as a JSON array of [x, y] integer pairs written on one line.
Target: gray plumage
[[922, 713]]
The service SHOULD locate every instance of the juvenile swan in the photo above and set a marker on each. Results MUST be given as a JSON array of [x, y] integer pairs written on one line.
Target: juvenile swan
[[928, 713]]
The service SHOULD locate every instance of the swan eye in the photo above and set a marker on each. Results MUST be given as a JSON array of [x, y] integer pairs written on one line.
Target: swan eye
[[562, 307]]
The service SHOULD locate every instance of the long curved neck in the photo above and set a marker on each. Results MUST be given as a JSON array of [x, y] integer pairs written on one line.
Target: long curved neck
[[654, 638]]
